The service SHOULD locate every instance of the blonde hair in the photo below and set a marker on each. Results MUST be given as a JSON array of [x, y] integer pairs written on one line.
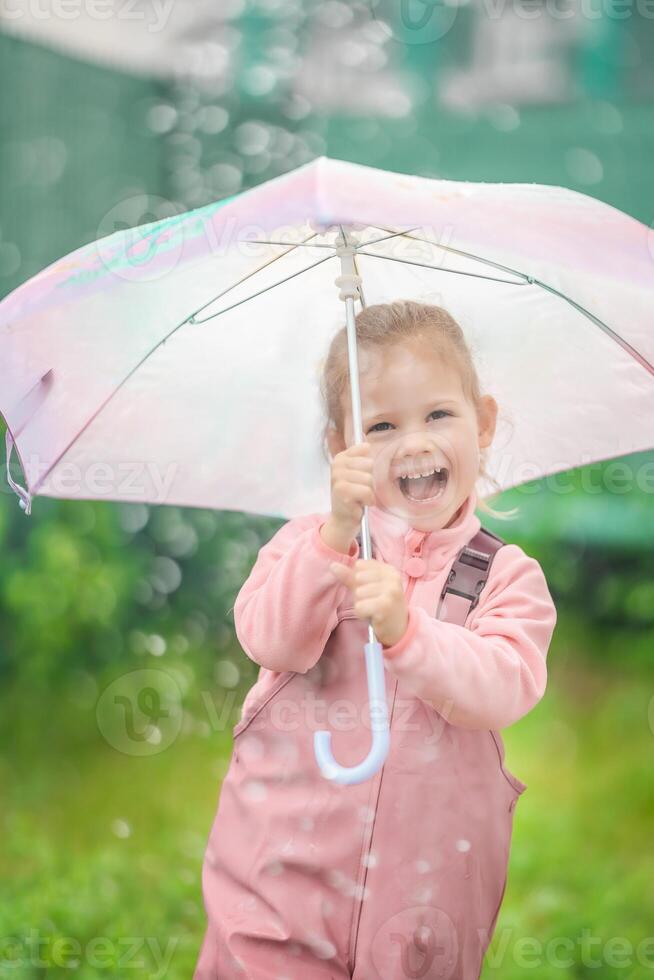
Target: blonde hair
[[383, 325]]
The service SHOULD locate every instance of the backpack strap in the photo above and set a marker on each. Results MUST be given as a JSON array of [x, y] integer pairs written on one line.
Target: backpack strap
[[468, 576]]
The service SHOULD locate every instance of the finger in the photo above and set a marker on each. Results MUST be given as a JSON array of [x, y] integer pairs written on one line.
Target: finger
[[357, 463], [368, 608], [356, 476], [358, 449], [370, 570], [370, 590]]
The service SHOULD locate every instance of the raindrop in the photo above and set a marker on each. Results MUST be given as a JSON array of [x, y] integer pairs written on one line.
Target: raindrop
[[166, 574], [297, 107], [259, 80], [255, 790], [274, 868], [322, 948], [179, 643], [226, 673], [422, 867], [121, 828], [225, 177], [156, 645], [133, 517], [463, 845], [352, 54], [584, 166], [503, 117], [213, 119], [422, 896], [161, 118], [252, 138], [370, 860], [154, 735]]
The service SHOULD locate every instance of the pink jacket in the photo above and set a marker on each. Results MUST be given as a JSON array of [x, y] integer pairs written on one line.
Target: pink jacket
[[490, 674], [402, 875]]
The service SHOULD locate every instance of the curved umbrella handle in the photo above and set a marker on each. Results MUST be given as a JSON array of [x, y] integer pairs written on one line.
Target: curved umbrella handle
[[379, 723]]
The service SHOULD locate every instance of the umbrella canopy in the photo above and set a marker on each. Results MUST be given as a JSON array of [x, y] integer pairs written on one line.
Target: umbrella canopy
[[178, 362]]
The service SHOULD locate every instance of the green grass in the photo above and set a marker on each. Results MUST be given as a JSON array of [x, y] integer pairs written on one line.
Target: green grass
[[102, 851]]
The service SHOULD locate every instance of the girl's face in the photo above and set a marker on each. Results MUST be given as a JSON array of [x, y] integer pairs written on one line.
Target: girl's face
[[425, 435]]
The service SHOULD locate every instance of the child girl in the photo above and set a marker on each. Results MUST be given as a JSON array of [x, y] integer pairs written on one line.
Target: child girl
[[402, 875]]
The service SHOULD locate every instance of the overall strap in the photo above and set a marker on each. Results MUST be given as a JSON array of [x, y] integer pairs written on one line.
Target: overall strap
[[467, 577]]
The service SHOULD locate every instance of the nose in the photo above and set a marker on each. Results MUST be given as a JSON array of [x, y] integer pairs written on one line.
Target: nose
[[416, 448]]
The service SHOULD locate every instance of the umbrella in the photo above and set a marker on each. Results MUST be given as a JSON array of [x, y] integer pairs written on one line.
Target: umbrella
[[178, 363]]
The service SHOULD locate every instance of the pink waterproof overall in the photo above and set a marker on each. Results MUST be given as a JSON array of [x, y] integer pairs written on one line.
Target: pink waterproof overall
[[402, 875]]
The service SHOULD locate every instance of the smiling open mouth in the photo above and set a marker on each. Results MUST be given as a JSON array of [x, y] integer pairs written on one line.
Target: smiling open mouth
[[424, 488]]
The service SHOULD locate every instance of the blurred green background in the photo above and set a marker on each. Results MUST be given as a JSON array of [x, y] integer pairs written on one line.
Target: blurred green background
[[104, 842]]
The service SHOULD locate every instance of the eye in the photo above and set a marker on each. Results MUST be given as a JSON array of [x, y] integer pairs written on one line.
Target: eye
[[437, 411]]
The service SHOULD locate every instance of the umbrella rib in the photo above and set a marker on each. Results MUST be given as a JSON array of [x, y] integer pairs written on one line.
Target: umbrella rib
[[626, 346], [159, 343], [436, 268], [642, 360], [265, 265], [265, 289], [395, 234], [468, 255], [374, 241], [289, 245]]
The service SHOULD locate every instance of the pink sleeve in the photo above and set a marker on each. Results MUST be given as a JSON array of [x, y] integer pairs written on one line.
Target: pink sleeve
[[287, 608], [492, 671]]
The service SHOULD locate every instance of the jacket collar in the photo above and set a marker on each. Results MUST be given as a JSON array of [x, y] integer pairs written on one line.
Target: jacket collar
[[395, 541]]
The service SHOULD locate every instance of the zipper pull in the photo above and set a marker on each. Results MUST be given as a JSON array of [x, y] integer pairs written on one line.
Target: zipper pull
[[415, 542]]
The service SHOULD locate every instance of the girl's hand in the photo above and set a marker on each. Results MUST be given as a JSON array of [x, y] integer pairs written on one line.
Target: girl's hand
[[351, 487], [378, 596]]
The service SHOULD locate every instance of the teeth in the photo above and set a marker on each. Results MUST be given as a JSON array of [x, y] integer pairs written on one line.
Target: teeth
[[416, 476]]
